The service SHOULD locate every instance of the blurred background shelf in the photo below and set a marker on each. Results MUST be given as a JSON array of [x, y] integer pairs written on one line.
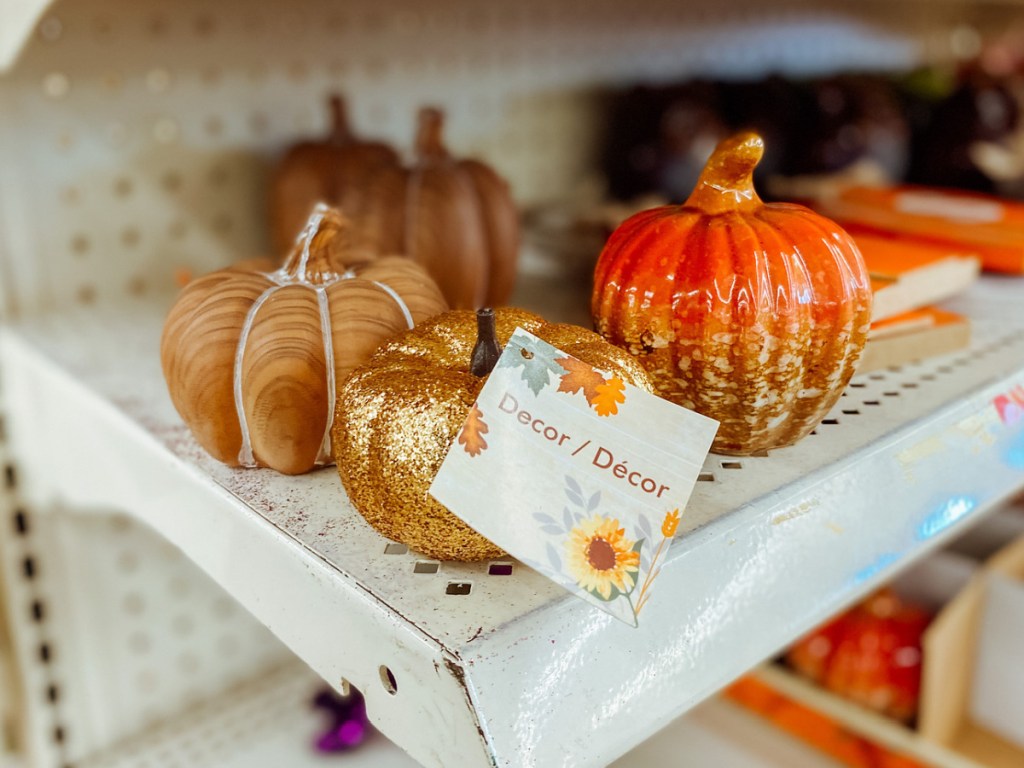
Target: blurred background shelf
[[136, 139]]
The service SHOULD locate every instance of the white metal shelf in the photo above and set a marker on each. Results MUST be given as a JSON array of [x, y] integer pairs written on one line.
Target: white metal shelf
[[516, 672], [269, 723]]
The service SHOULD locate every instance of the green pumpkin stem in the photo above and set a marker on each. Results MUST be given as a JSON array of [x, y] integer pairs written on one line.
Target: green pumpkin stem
[[486, 351]]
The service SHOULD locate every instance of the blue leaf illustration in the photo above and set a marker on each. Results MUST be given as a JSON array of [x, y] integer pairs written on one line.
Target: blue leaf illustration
[[567, 518], [574, 497], [645, 527], [554, 530], [595, 500], [553, 558], [540, 517], [573, 486]]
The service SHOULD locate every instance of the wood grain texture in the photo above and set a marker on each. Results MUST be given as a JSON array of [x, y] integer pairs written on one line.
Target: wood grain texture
[[285, 384], [332, 170]]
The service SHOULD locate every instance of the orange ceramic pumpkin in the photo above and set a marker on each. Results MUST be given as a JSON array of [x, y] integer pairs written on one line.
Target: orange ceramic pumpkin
[[753, 314]]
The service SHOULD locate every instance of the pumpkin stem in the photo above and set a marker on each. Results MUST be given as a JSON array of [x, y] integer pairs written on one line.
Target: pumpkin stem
[[727, 182], [429, 145], [486, 351], [340, 133], [320, 246]]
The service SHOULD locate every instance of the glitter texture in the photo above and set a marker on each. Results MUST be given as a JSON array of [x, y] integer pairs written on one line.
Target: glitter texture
[[398, 414]]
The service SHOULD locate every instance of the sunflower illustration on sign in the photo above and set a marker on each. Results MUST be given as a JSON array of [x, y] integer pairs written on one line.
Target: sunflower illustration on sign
[[605, 562], [601, 559]]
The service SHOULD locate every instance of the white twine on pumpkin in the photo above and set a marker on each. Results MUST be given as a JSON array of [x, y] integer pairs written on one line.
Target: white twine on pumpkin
[[281, 278], [324, 455], [245, 456]]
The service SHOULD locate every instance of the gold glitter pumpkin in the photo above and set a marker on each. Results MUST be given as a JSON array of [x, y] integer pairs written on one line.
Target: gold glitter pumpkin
[[398, 414]]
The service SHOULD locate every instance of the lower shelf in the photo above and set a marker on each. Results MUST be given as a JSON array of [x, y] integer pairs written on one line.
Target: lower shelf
[[269, 723]]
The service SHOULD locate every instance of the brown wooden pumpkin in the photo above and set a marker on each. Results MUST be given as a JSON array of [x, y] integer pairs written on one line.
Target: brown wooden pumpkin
[[252, 359], [454, 216], [334, 170], [753, 314], [398, 414]]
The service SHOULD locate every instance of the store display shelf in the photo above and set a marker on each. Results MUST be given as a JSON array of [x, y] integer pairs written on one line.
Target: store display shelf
[[484, 665], [269, 723]]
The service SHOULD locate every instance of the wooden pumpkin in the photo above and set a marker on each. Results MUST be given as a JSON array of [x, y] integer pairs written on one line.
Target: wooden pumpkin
[[872, 654], [454, 216], [252, 358], [398, 414], [334, 170], [753, 314]]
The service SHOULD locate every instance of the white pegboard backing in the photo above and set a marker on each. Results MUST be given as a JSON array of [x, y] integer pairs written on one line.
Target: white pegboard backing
[[135, 633], [136, 135]]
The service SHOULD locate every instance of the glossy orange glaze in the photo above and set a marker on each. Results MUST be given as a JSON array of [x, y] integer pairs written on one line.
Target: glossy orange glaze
[[754, 314]]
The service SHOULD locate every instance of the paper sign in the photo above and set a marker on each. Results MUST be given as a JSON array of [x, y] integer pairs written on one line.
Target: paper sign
[[575, 473]]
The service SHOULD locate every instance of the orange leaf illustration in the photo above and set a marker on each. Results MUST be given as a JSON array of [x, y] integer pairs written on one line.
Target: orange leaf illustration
[[471, 438], [579, 375], [609, 395]]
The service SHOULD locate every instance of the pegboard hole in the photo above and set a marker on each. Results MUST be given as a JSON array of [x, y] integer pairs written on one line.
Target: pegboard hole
[[877, 377], [830, 422], [56, 85], [45, 654], [133, 604], [500, 569], [910, 385], [891, 394], [21, 522], [424, 566], [158, 80], [387, 679], [706, 477], [394, 548], [28, 567], [123, 186], [732, 465], [38, 611], [128, 562], [166, 130], [10, 476], [852, 412], [58, 735], [458, 588], [130, 237], [928, 377], [80, 245], [52, 694], [50, 29], [872, 402]]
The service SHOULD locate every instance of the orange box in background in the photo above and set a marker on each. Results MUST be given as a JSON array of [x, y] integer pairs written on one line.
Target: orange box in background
[[990, 227]]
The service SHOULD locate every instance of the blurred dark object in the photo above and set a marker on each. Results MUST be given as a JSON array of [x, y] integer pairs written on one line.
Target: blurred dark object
[[981, 110], [349, 725], [659, 139], [850, 119]]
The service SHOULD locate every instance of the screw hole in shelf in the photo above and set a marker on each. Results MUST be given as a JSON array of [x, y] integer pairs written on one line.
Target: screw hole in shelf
[[732, 465], [394, 548], [423, 566], [38, 611], [910, 385], [21, 522], [851, 412], [830, 421], [500, 569], [387, 679], [872, 402], [45, 654], [891, 394], [28, 567], [706, 477], [858, 384], [458, 588]]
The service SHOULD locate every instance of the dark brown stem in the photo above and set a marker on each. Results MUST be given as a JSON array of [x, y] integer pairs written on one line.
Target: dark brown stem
[[429, 144], [486, 351], [340, 133]]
